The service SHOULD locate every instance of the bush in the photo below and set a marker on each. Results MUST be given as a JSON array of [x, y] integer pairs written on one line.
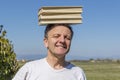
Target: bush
[[8, 62]]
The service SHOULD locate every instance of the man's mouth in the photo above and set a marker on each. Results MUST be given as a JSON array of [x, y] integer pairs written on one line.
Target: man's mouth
[[62, 46]]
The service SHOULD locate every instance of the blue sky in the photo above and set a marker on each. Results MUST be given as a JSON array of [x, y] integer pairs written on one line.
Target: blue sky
[[97, 37]]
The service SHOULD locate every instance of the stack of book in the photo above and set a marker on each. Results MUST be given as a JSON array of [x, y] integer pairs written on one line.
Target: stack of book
[[60, 14]]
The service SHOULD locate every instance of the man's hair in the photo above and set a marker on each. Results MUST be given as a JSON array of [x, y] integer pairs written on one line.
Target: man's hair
[[51, 26]]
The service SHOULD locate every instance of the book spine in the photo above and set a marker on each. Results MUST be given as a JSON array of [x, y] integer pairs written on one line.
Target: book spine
[[59, 11], [64, 16], [42, 22]]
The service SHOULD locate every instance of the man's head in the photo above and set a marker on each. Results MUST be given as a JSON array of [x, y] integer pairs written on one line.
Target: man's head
[[51, 26], [58, 39]]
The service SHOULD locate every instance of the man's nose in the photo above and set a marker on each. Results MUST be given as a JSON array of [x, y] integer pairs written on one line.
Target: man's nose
[[62, 39]]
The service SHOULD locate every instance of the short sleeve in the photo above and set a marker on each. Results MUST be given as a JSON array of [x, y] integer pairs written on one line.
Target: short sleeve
[[22, 73]]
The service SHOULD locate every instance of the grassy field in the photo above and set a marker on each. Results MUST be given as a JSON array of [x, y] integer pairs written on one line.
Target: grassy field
[[99, 70]]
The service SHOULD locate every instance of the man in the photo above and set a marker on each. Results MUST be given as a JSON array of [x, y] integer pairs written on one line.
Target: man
[[57, 40]]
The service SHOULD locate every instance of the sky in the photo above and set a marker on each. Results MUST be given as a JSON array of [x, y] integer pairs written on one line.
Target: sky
[[97, 37]]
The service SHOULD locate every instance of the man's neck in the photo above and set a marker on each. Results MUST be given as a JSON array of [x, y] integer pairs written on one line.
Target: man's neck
[[55, 62]]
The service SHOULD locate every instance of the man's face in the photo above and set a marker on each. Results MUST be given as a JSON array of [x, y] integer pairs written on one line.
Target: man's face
[[58, 41]]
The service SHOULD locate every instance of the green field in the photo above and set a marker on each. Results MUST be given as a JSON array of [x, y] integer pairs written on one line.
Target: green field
[[99, 70]]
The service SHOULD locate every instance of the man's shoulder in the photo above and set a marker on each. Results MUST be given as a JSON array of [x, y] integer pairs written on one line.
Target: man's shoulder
[[74, 68], [78, 71], [35, 62]]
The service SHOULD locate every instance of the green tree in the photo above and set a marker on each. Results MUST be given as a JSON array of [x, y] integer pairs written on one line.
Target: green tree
[[8, 62]]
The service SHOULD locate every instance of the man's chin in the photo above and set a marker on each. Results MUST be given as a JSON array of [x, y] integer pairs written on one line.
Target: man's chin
[[61, 54]]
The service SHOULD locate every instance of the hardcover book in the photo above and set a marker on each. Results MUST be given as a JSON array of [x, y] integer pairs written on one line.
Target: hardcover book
[[60, 14]]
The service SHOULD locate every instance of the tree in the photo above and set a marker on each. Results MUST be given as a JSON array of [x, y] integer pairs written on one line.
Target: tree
[[8, 61]]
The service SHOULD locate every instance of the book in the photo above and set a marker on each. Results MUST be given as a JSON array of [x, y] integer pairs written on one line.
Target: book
[[67, 21], [58, 9], [60, 14]]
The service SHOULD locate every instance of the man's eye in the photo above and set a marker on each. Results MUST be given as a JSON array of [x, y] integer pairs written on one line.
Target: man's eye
[[69, 38], [56, 36]]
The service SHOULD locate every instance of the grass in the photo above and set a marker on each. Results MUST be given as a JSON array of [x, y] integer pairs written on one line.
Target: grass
[[98, 70]]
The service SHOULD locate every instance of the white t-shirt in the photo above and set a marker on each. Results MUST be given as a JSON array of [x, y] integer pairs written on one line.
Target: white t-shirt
[[41, 70]]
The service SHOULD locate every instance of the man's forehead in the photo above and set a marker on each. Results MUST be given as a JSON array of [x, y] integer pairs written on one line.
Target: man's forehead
[[60, 29]]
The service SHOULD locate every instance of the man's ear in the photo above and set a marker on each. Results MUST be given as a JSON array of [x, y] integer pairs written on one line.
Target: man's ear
[[46, 42]]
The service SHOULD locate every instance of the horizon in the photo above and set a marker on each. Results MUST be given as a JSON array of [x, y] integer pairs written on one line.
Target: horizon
[[68, 57]]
